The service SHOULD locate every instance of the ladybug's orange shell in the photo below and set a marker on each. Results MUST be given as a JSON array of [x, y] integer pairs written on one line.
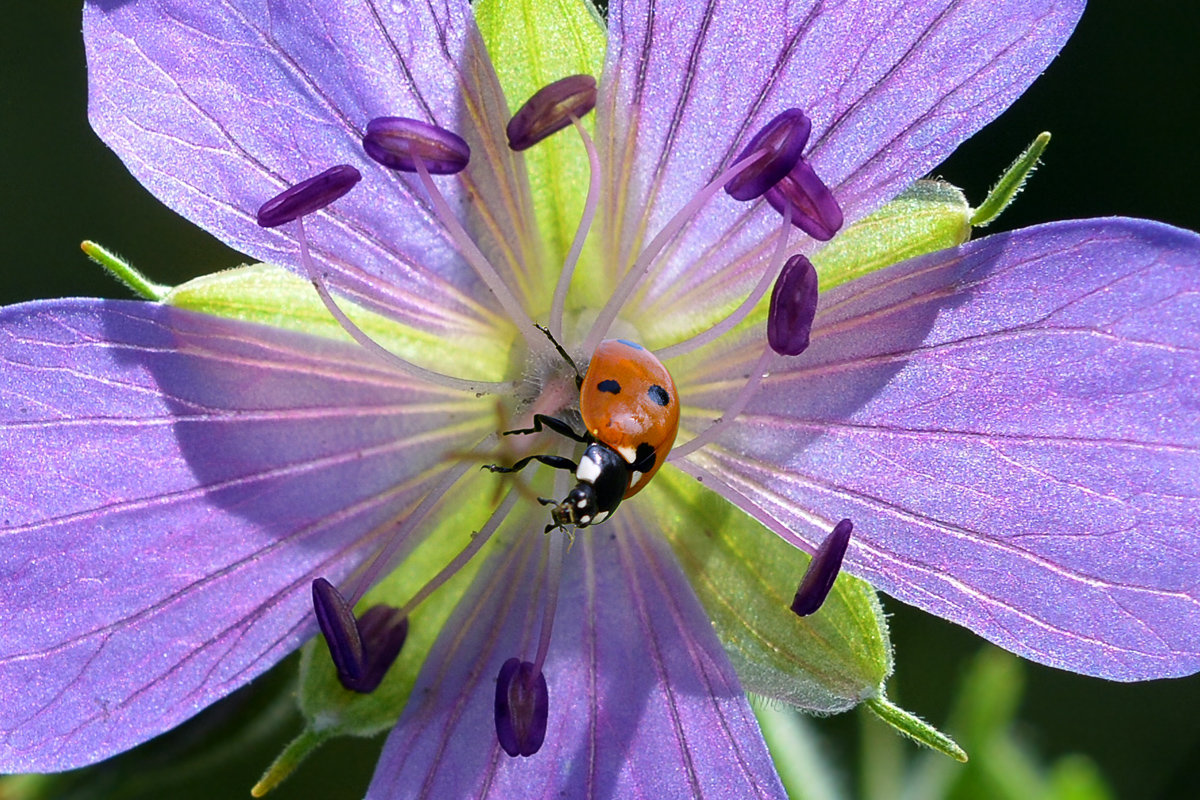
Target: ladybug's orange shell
[[632, 415]]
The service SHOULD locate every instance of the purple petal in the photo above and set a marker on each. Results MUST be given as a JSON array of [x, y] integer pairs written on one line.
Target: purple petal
[[643, 701], [173, 483], [1014, 428], [217, 107], [892, 89]]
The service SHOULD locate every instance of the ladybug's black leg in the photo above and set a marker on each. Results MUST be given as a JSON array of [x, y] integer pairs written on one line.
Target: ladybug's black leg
[[558, 462], [566, 356], [554, 424]]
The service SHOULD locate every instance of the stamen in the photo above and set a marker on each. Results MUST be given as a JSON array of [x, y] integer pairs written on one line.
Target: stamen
[[356, 333], [552, 108], [742, 311], [400, 143], [478, 540], [409, 145], [739, 402], [793, 307], [362, 650], [642, 264], [522, 708], [308, 196], [823, 570], [556, 565], [814, 209], [783, 139], [581, 232], [475, 257], [387, 557]]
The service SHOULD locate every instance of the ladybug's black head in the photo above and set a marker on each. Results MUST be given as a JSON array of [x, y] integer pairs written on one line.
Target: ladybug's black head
[[603, 479], [578, 509]]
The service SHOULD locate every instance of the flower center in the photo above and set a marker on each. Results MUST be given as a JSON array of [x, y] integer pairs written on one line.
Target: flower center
[[770, 167]]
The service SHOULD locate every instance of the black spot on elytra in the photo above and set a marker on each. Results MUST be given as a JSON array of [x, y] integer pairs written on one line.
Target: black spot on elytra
[[659, 395], [644, 458], [610, 386]]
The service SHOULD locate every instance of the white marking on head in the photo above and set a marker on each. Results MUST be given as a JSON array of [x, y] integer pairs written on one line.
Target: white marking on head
[[588, 470], [581, 503], [628, 453], [584, 520]]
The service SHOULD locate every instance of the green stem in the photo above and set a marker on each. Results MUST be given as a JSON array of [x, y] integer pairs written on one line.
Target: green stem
[[125, 272], [291, 757], [1010, 183], [915, 728]]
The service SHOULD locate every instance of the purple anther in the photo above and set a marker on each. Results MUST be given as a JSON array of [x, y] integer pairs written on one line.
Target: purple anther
[[823, 570], [783, 140], [383, 631], [793, 307], [551, 109], [308, 196], [362, 650], [522, 708], [813, 207], [336, 620], [399, 143]]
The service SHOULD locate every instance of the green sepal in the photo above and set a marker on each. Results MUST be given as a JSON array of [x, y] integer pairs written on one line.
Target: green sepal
[[533, 43], [273, 296], [746, 576], [928, 216]]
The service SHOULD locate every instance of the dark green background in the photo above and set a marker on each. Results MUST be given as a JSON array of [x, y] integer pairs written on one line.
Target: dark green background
[[1121, 102]]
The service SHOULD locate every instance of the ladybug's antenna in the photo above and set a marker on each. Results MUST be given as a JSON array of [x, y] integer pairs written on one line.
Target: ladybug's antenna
[[566, 356]]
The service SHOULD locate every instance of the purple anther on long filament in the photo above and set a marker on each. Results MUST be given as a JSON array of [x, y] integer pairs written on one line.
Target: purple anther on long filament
[[399, 143], [308, 196], [812, 206], [363, 649], [522, 708], [823, 570], [793, 307], [782, 142], [551, 109]]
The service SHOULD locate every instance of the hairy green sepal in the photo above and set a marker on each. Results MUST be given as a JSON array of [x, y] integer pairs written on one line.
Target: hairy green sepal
[[1010, 183], [746, 576], [928, 216]]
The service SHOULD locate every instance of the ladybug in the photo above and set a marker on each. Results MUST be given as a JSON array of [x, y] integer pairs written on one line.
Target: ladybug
[[631, 410]]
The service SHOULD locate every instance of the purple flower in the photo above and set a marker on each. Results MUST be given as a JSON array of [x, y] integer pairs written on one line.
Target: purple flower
[[1010, 425]]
